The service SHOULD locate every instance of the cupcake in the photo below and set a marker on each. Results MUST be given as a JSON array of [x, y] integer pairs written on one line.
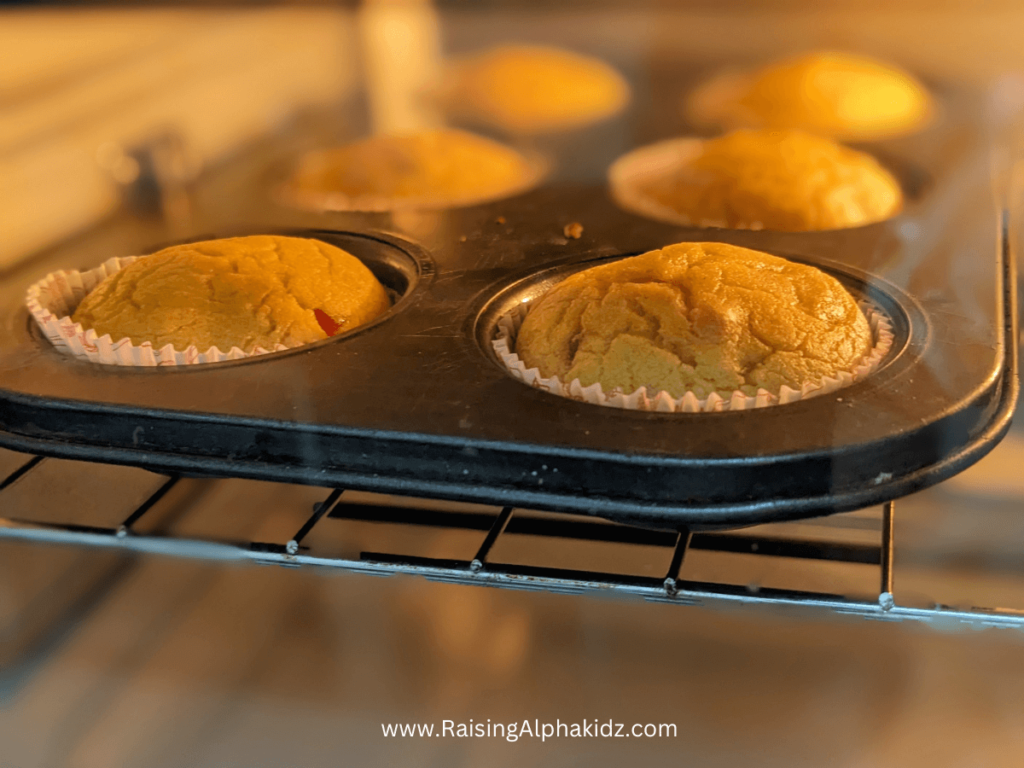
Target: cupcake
[[698, 320], [757, 179], [532, 89], [840, 95], [251, 293], [433, 169]]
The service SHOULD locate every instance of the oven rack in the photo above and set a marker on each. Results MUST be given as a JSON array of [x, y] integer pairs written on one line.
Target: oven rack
[[482, 570]]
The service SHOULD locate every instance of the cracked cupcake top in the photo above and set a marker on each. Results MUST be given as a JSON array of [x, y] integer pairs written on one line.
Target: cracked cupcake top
[[243, 292], [782, 180], [701, 317]]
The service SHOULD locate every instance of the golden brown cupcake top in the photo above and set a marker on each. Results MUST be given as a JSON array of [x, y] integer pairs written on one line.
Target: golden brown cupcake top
[[430, 169], [532, 89], [842, 95], [701, 317], [243, 292], [781, 180]]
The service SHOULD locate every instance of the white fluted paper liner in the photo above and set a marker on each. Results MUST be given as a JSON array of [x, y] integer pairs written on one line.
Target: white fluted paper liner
[[55, 298], [507, 330]]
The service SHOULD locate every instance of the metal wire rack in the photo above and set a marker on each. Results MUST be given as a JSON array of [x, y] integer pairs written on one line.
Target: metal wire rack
[[483, 570]]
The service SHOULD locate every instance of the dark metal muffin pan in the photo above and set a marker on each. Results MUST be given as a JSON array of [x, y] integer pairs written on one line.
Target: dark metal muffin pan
[[419, 405]]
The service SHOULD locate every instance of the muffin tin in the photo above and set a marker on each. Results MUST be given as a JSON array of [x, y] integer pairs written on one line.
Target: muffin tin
[[419, 404]]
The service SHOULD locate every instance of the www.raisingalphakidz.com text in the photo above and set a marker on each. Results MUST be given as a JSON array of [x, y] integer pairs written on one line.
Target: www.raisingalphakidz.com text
[[530, 729]]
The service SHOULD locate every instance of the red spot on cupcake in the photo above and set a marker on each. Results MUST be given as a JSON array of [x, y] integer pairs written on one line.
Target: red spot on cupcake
[[327, 322]]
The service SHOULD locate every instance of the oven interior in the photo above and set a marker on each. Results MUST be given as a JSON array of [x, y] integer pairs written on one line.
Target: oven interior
[[135, 627]]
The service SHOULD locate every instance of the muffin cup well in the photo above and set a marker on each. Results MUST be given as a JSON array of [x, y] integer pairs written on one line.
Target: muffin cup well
[[290, 196], [53, 300], [717, 103], [451, 97], [631, 176], [507, 330]]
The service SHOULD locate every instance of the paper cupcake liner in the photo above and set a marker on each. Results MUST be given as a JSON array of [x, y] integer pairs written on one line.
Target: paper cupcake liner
[[53, 300], [291, 196], [507, 330]]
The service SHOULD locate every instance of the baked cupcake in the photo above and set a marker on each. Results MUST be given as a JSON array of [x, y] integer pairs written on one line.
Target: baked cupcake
[[252, 293], [533, 89], [433, 169], [697, 318], [841, 95], [757, 179]]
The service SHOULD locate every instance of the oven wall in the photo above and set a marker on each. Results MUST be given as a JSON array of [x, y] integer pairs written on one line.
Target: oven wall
[[78, 85]]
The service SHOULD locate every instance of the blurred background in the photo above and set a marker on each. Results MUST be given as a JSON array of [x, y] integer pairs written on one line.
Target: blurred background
[[118, 121]]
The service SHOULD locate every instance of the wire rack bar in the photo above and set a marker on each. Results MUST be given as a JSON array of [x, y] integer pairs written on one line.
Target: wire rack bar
[[524, 578], [500, 523], [671, 582], [126, 527], [319, 511], [529, 524], [25, 468], [886, 597], [482, 571]]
